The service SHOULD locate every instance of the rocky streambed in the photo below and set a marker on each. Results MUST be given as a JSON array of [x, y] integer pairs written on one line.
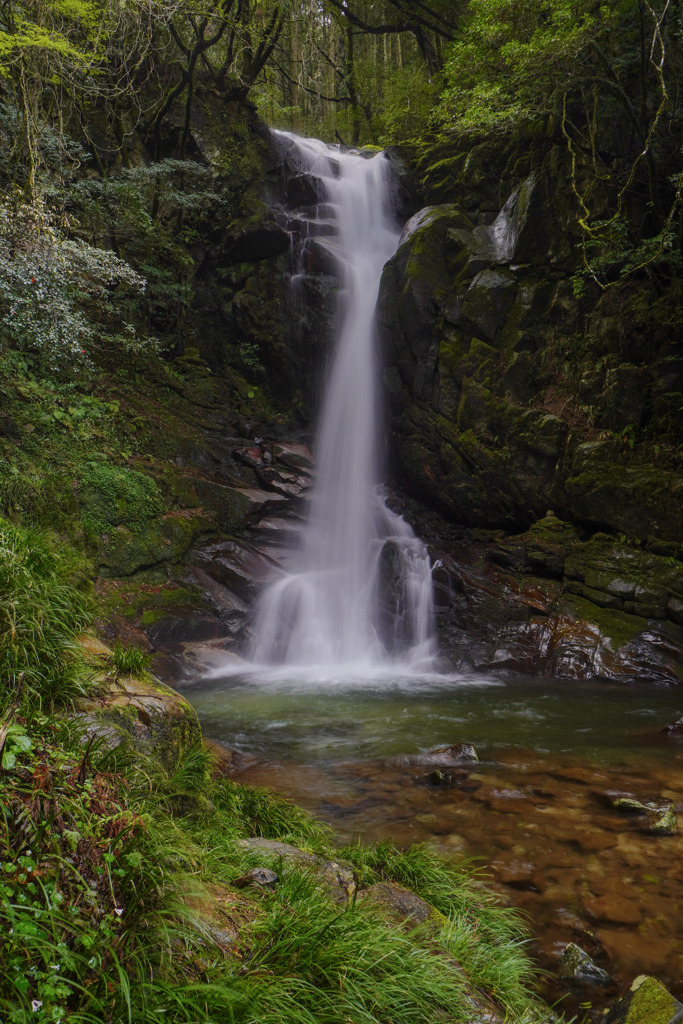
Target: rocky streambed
[[572, 810]]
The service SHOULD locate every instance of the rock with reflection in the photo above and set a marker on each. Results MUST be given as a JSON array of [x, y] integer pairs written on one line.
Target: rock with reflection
[[674, 729], [577, 965], [656, 817]]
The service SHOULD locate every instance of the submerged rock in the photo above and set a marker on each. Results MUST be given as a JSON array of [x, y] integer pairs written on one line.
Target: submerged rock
[[656, 817], [577, 965]]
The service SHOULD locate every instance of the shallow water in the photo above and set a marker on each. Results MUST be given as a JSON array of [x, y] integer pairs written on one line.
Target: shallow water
[[533, 809], [293, 719]]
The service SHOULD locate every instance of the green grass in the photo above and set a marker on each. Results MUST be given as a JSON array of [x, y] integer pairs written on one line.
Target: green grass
[[113, 871], [41, 613], [108, 870], [129, 660]]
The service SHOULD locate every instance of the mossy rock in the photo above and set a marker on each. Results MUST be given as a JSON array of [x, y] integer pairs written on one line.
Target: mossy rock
[[646, 1002], [401, 906], [146, 715], [608, 487], [336, 877]]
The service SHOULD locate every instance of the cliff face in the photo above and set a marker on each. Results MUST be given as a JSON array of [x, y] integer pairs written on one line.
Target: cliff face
[[513, 391], [509, 395]]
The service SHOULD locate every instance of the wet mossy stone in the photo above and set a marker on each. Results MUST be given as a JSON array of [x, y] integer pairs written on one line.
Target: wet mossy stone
[[577, 965], [401, 906], [655, 817], [145, 715], [646, 1002], [608, 487]]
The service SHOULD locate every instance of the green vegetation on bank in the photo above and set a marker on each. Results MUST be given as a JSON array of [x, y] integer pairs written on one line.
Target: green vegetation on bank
[[117, 900]]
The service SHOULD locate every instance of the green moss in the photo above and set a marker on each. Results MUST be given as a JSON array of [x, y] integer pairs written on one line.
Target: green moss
[[116, 496], [618, 627], [647, 1002], [152, 616]]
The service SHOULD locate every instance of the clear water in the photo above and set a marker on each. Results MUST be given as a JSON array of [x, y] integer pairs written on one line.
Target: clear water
[[320, 721], [533, 809]]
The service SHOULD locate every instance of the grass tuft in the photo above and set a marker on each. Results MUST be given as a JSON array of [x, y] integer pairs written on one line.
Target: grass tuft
[[41, 613]]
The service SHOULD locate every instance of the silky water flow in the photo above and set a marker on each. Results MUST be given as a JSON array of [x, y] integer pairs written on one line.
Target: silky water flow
[[357, 593]]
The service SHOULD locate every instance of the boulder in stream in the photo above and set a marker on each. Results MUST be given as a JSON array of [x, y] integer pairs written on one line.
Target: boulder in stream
[[577, 965], [656, 817], [646, 1002]]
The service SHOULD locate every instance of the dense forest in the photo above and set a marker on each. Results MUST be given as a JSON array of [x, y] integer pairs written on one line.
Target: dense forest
[[100, 101], [530, 334]]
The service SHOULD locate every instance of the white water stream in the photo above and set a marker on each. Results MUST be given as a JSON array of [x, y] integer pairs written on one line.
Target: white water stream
[[357, 595]]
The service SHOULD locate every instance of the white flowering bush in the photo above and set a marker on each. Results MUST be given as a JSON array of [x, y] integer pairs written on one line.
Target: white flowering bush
[[59, 296]]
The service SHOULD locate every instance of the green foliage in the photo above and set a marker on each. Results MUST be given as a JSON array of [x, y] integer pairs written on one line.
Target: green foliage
[[90, 890], [512, 62], [409, 96], [475, 920], [260, 813], [55, 293], [41, 611], [129, 660]]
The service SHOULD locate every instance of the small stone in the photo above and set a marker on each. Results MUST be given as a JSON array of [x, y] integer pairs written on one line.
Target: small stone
[[674, 728], [459, 752], [658, 816], [262, 878], [663, 821], [577, 965]]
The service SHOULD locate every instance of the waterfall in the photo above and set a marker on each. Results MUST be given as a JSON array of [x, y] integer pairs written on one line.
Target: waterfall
[[358, 591]]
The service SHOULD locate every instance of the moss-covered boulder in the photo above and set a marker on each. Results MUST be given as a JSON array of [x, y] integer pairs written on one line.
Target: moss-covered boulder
[[143, 713], [646, 1002]]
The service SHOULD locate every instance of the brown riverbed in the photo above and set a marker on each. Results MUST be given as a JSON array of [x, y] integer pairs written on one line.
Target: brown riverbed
[[539, 820]]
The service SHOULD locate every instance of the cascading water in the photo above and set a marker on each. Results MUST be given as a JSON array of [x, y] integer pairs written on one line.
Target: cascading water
[[358, 591]]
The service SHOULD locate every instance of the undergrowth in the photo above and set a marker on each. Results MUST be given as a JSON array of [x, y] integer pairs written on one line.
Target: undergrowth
[[41, 612], [117, 894]]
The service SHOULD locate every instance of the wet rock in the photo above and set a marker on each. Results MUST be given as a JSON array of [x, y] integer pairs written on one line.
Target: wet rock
[[646, 1002], [577, 965], [253, 243], [456, 753], [304, 190], [239, 568], [675, 728], [451, 764], [145, 714], [401, 906], [226, 760], [655, 817], [262, 878]]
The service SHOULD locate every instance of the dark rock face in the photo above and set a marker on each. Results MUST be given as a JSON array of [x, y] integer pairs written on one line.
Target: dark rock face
[[551, 604], [476, 319]]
